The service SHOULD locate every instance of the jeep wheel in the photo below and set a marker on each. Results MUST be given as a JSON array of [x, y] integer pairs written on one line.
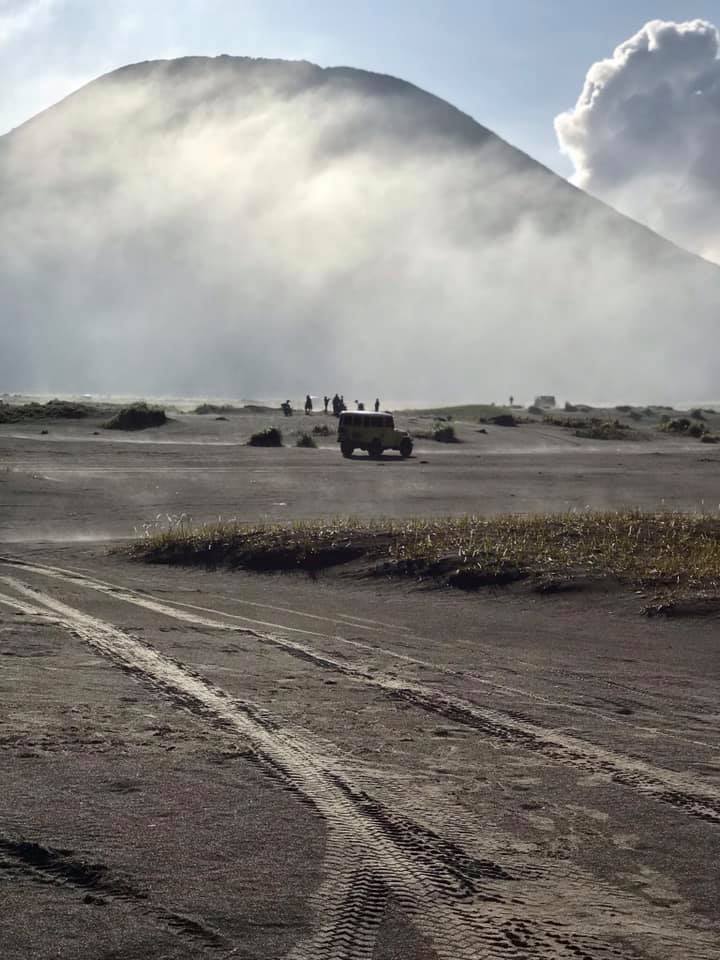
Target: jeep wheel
[[375, 449], [405, 447], [346, 449]]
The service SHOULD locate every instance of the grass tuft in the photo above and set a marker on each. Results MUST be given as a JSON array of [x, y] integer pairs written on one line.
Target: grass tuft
[[666, 551], [305, 440]]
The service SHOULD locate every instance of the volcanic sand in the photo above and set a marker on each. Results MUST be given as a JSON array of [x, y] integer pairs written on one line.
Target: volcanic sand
[[203, 763]]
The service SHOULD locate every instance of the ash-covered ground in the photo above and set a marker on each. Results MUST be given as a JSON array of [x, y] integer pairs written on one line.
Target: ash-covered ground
[[200, 763]]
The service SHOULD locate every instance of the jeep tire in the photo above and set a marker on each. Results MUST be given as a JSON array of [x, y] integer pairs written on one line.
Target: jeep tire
[[405, 447], [375, 449]]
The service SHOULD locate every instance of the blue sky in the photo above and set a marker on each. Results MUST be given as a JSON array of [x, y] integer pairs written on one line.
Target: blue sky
[[513, 65]]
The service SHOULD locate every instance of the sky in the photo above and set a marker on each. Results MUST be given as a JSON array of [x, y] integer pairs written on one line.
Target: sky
[[513, 65]]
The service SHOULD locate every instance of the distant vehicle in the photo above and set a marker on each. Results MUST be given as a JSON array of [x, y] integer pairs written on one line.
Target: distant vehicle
[[374, 432], [545, 402]]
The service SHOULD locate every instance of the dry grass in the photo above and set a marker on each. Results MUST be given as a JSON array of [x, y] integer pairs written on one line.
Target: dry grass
[[665, 550]]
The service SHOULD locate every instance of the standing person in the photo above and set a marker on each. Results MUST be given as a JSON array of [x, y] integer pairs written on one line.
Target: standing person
[[336, 405], [308, 405], [326, 401], [342, 403], [377, 404]]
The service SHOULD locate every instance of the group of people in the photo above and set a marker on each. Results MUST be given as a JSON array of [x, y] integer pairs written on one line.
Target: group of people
[[338, 405]]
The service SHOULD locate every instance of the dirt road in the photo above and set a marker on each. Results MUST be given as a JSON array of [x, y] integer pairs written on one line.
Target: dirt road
[[225, 765], [216, 764]]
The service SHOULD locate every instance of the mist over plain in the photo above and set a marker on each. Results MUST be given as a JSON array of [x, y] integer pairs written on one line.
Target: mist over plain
[[261, 228]]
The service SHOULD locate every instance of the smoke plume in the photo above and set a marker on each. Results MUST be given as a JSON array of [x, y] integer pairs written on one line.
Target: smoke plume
[[645, 133]]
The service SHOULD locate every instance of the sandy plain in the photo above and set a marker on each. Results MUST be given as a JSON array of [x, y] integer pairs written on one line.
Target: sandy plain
[[201, 763]]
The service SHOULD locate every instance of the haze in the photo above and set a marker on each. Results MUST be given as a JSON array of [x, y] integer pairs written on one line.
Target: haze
[[257, 228]]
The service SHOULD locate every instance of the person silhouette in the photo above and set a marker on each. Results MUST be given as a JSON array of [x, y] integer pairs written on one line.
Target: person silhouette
[[377, 404], [308, 404]]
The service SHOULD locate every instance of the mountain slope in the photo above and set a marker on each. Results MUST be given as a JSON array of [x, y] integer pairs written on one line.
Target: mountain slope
[[257, 227]]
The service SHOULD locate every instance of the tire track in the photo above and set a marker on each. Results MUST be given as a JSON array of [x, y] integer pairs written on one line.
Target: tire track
[[511, 728], [133, 596], [49, 865], [467, 907]]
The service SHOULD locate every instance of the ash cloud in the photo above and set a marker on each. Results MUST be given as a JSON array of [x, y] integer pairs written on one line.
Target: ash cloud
[[645, 132], [230, 227]]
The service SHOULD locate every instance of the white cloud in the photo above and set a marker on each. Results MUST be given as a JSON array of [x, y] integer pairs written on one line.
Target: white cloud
[[645, 132], [18, 16]]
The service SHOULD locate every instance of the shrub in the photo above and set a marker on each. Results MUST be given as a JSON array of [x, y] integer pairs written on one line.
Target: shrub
[[708, 438], [682, 425], [623, 408], [322, 430], [504, 420], [138, 416], [677, 425], [445, 434], [609, 430], [270, 437], [697, 414], [305, 440], [635, 415]]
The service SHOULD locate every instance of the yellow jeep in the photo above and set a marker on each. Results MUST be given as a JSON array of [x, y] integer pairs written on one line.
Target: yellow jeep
[[374, 432]]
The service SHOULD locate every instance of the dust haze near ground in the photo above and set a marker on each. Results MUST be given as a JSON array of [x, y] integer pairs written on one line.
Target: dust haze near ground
[[229, 226]]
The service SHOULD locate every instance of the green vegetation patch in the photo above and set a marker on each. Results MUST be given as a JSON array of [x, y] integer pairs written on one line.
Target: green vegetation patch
[[138, 416], [305, 440], [665, 551]]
